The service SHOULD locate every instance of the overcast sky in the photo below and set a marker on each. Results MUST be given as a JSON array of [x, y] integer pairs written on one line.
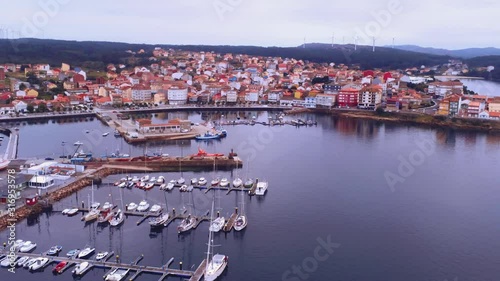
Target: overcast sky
[[446, 24]]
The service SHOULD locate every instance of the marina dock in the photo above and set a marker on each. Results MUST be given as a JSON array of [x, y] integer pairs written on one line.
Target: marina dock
[[134, 266], [230, 222]]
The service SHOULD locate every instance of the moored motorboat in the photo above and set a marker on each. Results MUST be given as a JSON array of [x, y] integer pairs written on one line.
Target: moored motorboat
[[122, 184], [237, 182], [101, 255], [160, 180], [72, 212], [65, 211], [248, 183], [29, 262], [116, 275], [73, 253], [86, 253], [107, 206], [105, 134], [143, 206], [81, 268], [131, 207], [135, 179], [8, 260], [202, 181], [181, 180], [194, 181], [27, 246], [54, 250], [22, 261], [261, 188], [17, 244], [163, 186], [186, 224], [152, 179], [92, 215], [215, 182], [224, 182], [145, 178], [59, 267], [159, 221], [38, 264], [155, 209]]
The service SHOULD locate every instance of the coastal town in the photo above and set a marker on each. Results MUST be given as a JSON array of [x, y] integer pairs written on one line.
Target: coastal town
[[176, 78]]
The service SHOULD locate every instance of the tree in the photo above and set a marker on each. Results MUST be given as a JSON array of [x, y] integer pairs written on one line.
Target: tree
[[30, 108], [42, 107]]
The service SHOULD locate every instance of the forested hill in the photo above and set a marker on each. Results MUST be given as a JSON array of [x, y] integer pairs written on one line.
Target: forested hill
[[96, 55]]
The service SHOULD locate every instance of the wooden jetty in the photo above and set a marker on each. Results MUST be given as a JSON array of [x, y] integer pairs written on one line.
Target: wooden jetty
[[164, 271], [230, 222]]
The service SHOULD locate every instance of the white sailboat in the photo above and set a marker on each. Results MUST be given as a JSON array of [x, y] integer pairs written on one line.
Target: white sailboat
[[215, 263], [93, 213], [241, 219], [118, 216]]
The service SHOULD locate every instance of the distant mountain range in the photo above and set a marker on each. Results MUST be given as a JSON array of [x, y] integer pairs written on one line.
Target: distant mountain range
[[463, 53]]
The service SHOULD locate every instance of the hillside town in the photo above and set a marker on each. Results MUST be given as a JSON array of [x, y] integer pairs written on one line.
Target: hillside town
[[183, 78]]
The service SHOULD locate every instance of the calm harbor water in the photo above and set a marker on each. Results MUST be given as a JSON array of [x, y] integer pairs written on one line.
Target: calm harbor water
[[439, 221]]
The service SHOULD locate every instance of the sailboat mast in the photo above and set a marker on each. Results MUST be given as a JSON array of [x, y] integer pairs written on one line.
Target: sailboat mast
[[210, 237]]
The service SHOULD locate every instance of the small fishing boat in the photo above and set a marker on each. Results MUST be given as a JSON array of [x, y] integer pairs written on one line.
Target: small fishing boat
[[141, 184], [145, 178], [105, 134], [130, 184], [54, 250], [101, 255], [163, 186], [117, 133], [59, 267], [186, 224], [215, 182], [143, 206], [73, 253], [81, 268], [152, 179], [194, 181], [208, 136], [122, 184], [27, 247], [224, 182], [183, 188], [86, 253], [92, 215], [237, 182], [202, 181], [217, 224], [38, 264], [135, 179], [117, 183], [132, 207], [65, 211]]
